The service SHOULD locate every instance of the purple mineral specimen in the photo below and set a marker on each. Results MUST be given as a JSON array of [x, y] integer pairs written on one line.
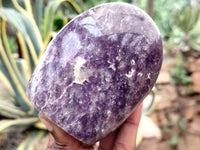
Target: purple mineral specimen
[[96, 70]]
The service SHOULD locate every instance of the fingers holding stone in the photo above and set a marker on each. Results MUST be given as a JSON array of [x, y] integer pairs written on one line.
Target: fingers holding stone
[[126, 138], [50, 142], [108, 142], [60, 138]]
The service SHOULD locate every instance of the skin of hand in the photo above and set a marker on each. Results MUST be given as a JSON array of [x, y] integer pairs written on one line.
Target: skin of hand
[[124, 138]]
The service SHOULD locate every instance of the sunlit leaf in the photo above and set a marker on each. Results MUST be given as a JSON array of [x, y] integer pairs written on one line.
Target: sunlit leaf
[[6, 125]]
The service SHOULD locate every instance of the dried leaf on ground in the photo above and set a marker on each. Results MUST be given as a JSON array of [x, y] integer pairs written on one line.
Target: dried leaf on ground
[[196, 81]]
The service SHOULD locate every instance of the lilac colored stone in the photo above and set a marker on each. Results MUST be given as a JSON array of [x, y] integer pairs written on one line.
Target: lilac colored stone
[[97, 69]]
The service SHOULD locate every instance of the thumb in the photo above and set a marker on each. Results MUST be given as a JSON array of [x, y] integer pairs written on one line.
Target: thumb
[[62, 140]]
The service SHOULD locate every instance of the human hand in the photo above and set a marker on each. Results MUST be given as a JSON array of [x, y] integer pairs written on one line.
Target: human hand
[[124, 138]]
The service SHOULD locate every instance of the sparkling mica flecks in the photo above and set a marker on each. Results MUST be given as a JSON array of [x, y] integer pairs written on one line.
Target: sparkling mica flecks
[[96, 70]]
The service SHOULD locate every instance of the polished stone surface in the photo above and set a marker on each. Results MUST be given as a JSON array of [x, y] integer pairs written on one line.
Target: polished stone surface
[[97, 69]]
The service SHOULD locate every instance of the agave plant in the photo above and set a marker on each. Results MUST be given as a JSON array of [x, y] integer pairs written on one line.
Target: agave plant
[[186, 20], [32, 34]]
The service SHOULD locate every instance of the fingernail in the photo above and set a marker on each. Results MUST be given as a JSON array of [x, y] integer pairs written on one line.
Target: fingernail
[[60, 146], [47, 124]]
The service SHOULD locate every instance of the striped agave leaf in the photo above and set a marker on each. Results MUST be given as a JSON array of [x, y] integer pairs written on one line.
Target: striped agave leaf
[[26, 28], [10, 110], [11, 125], [17, 86]]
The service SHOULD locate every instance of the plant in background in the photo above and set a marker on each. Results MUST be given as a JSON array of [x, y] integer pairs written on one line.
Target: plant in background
[[175, 131], [178, 22], [179, 73], [181, 77], [163, 14], [186, 33]]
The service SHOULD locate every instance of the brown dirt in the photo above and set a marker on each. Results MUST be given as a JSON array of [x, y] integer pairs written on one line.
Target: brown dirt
[[176, 112]]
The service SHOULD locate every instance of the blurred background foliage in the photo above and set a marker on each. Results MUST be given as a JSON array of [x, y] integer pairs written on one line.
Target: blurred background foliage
[[27, 26]]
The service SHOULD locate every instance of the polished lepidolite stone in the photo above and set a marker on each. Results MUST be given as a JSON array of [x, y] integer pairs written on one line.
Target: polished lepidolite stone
[[96, 70]]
